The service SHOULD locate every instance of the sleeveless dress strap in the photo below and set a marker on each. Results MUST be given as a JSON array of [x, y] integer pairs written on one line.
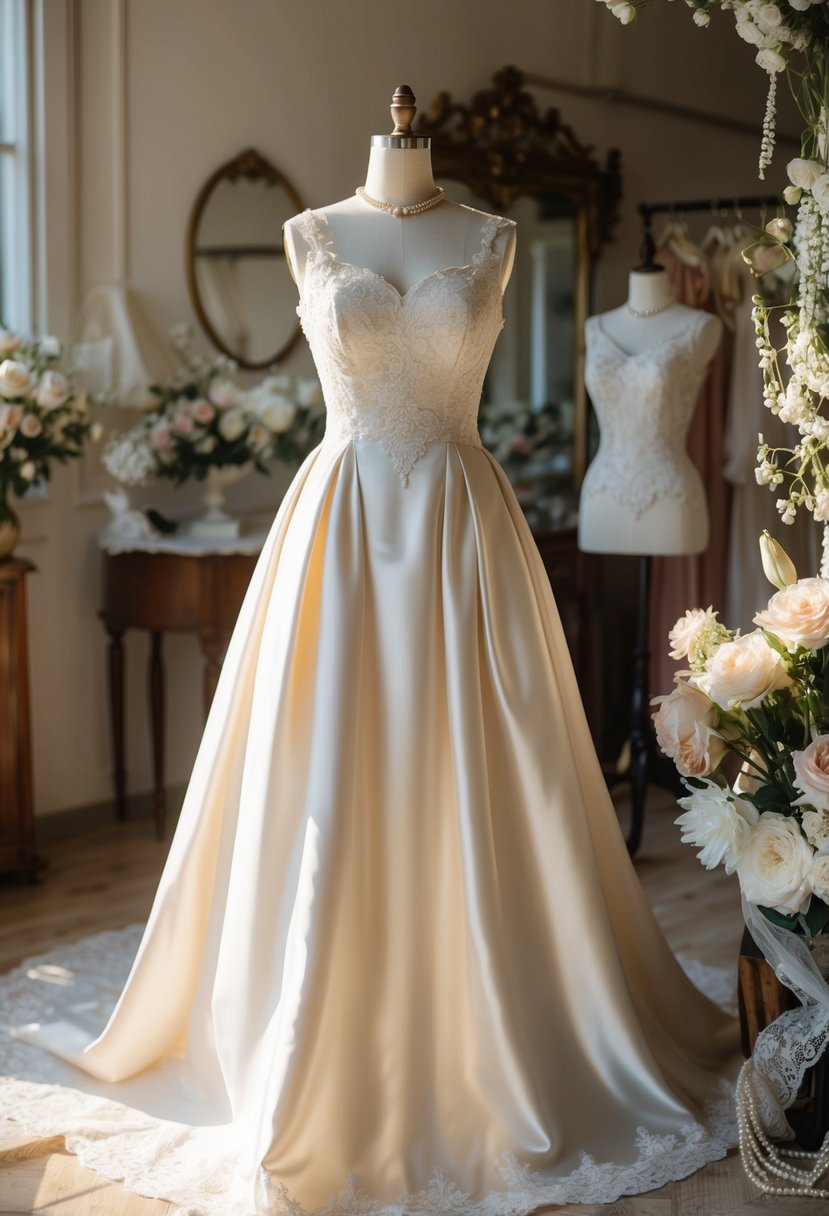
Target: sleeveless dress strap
[[313, 230], [491, 229]]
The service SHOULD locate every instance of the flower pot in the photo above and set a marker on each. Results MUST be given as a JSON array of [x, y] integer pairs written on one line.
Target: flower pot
[[9, 525], [215, 523]]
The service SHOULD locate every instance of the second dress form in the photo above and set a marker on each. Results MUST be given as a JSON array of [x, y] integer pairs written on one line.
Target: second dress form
[[645, 364]]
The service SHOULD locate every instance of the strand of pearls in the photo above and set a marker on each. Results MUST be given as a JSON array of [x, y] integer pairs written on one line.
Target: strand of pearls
[[651, 312], [768, 1165], [399, 210]]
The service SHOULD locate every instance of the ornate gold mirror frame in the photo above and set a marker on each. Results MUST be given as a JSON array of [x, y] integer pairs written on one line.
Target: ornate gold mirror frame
[[250, 165], [502, 147]]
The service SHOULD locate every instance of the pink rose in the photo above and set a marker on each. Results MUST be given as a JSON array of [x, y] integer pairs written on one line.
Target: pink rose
[[160, 436], [811, 774], [799, 614], [183, 423], [203, 411], [685, 732]]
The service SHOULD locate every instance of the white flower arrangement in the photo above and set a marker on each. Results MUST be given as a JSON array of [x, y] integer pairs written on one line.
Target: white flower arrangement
[[42, 417], [202, 419], [763, 698]]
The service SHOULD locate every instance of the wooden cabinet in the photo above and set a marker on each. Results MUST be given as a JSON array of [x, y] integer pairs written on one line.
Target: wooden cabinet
[[17, 828]]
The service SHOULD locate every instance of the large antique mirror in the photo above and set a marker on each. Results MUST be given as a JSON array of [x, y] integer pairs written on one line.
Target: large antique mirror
[[500, 153], [239, 284]]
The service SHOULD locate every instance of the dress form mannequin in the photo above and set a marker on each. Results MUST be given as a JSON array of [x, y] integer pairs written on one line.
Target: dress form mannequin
[[406, 249], [650, 449]]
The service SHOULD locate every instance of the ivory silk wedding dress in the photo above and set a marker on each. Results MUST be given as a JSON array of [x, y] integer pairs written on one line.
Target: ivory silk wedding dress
[[398, 960]]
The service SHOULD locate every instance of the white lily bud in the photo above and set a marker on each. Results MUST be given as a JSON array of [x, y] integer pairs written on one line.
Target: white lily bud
[[778, 567]]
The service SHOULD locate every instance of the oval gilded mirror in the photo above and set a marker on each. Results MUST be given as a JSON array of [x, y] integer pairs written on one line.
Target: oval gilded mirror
[[239, 283]]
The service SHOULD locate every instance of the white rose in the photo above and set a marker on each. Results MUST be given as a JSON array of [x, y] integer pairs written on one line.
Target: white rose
[[811, 774], [49, 346], [792, 195], [800, 5], [702, 17], [277, 413], [799, 614], [624, 11], [774, 865], [685, 731], [14, 378], [30, 426], [770, 61], [820, 192], [231, 424], [9, 342], [52, 390], [223, 393], [683, 637], [819, 877], [28, 470], [275, 384], [770, 15], [743, 672], [815, 825], [804, 173], [718, 823]]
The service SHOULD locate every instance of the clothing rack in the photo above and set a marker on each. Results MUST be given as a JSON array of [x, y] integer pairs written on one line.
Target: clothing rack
[[648, 210]]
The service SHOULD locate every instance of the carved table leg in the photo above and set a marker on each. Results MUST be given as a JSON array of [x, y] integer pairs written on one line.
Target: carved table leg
[[156, 690], [116, 709], [212, 644]]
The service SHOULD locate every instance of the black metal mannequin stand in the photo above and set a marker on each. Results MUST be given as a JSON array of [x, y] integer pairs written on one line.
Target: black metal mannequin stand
[[646, 766]]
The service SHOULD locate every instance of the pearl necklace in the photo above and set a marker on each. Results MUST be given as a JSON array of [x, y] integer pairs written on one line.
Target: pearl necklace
[[398, 210], [651, 312]]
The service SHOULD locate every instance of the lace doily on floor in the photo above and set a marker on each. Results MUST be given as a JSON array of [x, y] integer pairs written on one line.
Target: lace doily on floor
[[197, 1168]]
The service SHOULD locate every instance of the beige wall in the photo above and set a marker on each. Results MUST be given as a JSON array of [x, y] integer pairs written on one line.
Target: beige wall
[[145, 97]]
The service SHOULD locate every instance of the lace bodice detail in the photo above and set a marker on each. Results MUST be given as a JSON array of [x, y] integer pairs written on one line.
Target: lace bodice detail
[[404, 368], [645, 403]]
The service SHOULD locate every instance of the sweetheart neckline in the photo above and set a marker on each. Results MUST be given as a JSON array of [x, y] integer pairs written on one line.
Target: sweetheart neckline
[[666, 341]]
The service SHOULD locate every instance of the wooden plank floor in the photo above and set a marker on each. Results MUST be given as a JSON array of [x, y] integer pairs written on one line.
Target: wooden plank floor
[[104, 878]]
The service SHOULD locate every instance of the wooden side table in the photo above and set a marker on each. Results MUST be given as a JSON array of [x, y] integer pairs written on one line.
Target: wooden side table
[[17, 825], [161, 592]]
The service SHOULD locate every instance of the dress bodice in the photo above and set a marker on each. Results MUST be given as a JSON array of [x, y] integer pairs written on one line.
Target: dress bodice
[[644, 403], [404, 368]]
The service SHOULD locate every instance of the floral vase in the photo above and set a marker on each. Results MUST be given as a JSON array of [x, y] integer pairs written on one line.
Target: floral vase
[[9, 525], [215, 523]]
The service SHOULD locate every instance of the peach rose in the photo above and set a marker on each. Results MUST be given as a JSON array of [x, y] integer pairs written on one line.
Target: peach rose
[[683, 637], [742, 672], [799, 614], [684, 731], [30, 426], [52, 390]]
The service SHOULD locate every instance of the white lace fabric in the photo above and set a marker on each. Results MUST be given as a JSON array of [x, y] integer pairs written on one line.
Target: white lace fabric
[[198, 1167], [408, 380], [645, 402]]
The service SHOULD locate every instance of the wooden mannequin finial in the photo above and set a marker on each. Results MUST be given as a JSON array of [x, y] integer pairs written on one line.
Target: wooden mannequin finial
[[403, 110]]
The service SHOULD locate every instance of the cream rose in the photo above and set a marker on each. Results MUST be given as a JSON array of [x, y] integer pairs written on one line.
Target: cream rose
[[52, 390], [811, 774], [775, 863], [684, 730], [815, 826], [683, 637], [223, 393], [309, 393], [742, 673], [10, 416], [28, 470], [819, 876], [232, 425], [277, 413], [799, 614], [30, 426], [718, 823], [9, 343], [14, 378]]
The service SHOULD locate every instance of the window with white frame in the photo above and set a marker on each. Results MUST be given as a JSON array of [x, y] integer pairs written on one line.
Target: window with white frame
[[15, 244]]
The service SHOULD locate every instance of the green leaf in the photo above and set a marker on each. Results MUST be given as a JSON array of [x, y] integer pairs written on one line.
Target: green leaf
[[777, 918], [816, 917]]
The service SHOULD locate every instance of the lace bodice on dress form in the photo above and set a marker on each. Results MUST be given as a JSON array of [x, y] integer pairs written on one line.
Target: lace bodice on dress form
[[645, 403], [404, 368]]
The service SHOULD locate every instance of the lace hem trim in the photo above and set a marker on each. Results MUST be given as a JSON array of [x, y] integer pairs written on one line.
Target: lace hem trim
[[199, 1168]]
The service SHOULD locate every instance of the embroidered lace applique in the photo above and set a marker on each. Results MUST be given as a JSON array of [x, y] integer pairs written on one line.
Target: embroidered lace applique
[[645, 403], [198, 1167], [403, 368]]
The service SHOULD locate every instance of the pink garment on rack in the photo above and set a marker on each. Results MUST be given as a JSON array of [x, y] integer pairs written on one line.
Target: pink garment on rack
[[695, 582]]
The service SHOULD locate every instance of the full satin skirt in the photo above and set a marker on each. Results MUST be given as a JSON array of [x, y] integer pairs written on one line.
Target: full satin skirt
[[398, 959]]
